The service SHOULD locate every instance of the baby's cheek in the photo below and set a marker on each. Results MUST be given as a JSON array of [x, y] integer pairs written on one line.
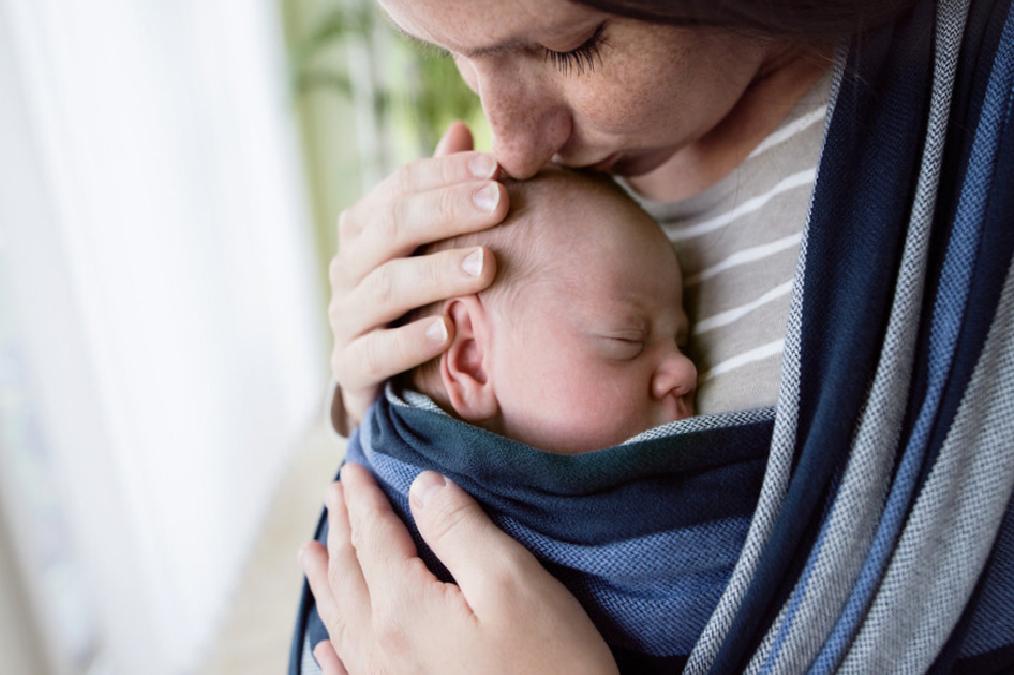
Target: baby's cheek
[[579, 406]]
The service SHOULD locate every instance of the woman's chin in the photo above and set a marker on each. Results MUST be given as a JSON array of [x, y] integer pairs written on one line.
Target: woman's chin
[[632, 166]]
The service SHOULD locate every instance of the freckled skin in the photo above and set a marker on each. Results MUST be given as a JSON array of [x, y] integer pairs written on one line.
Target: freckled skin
[[653, 90]]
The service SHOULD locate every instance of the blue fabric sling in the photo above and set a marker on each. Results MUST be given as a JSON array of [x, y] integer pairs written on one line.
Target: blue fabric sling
[[633, 531], [866, 524]]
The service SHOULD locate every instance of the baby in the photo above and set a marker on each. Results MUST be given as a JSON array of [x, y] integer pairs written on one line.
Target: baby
[[576, 346]]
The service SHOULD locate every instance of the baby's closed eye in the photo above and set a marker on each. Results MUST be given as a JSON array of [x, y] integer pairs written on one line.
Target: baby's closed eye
[[622, 346]]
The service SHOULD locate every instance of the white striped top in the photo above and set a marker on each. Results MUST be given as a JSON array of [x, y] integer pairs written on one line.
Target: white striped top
[[738, 243]]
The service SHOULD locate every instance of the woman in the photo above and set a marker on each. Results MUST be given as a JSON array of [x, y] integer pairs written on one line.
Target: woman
[[897, 346]]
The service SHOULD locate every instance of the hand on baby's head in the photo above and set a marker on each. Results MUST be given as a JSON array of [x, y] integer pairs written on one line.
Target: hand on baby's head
[[576, 346]]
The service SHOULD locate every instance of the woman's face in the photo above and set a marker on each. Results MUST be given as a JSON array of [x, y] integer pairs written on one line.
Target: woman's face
[[557, 79]]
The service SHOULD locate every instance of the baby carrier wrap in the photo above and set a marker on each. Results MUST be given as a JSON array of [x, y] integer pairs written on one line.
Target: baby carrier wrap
[[881, 536]]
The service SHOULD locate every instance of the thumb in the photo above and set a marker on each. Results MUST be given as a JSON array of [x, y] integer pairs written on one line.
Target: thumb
[[457, 138], [466, 541], [328, 659]]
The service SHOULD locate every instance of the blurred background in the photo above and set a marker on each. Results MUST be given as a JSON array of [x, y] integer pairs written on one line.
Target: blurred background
[[170, 173]]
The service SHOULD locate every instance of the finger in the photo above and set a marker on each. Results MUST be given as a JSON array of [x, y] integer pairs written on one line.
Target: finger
[[482, 559], [421, 175], [430, 173], [313, 558], [328, 660], [348, 588], [424, 217], [407, 283], [383, 545], [385, 352], [457, 138]]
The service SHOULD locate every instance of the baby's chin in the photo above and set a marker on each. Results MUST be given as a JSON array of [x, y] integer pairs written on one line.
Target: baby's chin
[[567, 441], [571, 441]]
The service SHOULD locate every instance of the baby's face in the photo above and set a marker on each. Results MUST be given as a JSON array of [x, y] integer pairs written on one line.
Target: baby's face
[[587, 353]]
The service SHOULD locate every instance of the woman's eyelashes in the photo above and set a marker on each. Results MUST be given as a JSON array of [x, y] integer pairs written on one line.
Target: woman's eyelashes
[[585, 57]]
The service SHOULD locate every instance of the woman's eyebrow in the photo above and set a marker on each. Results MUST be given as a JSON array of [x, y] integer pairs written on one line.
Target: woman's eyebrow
[[475, 52], [416, 42]]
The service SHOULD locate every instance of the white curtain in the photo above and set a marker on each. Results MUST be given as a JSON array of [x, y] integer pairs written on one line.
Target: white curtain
[[156, 260]]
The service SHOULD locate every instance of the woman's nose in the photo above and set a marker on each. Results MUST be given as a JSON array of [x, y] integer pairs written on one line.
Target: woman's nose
[[529, 125], [675, 374]]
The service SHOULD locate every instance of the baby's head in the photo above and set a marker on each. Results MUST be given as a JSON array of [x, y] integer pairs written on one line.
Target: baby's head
[[575, 346]]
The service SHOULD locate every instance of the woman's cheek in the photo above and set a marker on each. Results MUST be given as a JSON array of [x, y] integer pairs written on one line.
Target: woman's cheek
[[623, 101]]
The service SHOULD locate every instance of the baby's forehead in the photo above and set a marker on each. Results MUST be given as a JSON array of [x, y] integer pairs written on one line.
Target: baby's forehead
[[566, 216], [582, 231]]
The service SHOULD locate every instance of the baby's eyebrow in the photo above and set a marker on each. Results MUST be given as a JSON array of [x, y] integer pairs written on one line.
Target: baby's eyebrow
[[631, 324]]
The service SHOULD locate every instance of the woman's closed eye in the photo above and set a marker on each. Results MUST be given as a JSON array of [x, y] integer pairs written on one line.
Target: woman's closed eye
[[584, 57]]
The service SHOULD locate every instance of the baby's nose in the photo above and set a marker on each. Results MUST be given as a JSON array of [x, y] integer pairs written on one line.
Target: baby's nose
[[676, 374]]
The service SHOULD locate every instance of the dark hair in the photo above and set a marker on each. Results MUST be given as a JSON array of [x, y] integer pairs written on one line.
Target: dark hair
[[801, 19]]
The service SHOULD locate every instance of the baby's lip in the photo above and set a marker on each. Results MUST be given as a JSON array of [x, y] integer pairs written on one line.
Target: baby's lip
[[684, 407], [668, 409]]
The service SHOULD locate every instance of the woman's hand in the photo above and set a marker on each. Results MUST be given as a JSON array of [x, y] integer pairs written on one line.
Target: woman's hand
[[373, 281], [387, 613]]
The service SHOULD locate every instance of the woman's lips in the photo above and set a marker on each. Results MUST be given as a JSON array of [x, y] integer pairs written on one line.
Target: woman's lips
[[604, 164], [621, 163]]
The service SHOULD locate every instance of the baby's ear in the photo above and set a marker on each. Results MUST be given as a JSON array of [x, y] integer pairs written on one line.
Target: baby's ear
[[465, 366]]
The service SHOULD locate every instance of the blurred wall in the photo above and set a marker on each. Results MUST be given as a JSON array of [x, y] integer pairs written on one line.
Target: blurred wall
[[20, 651], [166, 342]]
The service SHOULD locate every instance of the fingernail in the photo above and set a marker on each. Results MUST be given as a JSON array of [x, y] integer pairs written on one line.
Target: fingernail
[[482, 166], [487, 197], [437, 331], [472, 263], [300, 554], [425, 486]]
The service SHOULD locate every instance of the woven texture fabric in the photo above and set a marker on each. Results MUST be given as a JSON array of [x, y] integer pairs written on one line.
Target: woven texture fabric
[[633, 531], [847, 530], [856, 503], [866, 523]]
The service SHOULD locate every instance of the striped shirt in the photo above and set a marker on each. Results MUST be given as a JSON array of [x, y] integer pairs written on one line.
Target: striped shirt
[[737, 243]]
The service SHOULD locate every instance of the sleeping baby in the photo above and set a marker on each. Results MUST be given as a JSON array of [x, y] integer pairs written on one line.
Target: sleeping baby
[[576, 346], [559, 406]]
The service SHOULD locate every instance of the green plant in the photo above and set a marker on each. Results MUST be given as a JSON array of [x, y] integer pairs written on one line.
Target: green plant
[[429, 96]]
